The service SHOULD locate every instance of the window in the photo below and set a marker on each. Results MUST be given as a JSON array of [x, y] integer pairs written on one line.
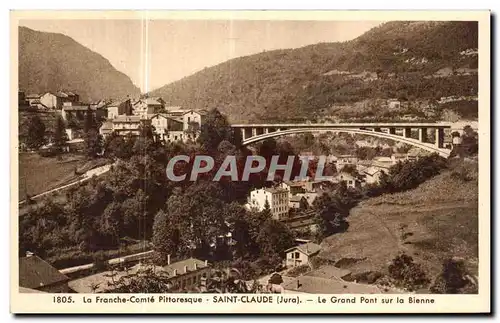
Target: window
[[297, 255]]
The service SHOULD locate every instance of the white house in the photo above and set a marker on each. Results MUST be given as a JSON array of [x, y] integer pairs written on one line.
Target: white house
[[302, 254], [51, 101], [350, 180], [372, 175], [192, 116], [278, 199], [344, 160]]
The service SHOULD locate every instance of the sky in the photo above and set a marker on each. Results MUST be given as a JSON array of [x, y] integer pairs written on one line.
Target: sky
[[179, 48]]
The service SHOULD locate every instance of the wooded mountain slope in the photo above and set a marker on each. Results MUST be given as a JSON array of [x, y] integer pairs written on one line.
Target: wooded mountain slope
[[53, 62], [394, 60]]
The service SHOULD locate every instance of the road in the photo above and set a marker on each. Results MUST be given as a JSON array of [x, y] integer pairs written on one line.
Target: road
[[85, 177]]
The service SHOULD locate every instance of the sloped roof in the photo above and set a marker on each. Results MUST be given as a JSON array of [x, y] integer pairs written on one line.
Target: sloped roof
[[296, 198], [35, 272], [371, 170], [275, 190], [153, 101], [126, 118], [30, 291], [180, 265], [330, 272], [107, 125], [309, 248], [118, 102], [61, 94], [318, 285], [77, 107]]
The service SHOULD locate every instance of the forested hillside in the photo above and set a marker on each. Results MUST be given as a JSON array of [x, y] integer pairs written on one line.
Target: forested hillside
[[54, 62], [405, 60]]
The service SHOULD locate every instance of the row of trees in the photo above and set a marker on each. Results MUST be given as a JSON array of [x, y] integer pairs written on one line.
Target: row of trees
[[34, 134]]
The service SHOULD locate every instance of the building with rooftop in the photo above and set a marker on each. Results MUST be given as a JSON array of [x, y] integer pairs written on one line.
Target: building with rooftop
[[120, 107], [276, 197], [371, 175], [145, 106], [350, 180], [318, 285], [37, 274], [301, 254], [182, 274], [298, 202]]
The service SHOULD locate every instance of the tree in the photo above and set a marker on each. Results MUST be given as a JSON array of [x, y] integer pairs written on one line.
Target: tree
[[227, 281], [145, 280], [166, 236], [93, 143], [111, 223], [215, 128], [469, 145], [35, 134], [90, 122], [329, 215], [274, 238], [407, 273], [116, 146], [453, 279], [60, 136]]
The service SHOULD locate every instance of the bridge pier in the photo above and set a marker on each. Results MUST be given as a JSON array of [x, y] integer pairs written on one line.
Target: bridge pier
[[439, 137], [254, 132], [422, 134], [407, 132], [266, 130]]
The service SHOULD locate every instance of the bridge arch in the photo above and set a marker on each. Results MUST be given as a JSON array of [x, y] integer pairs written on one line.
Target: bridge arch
[[443, 152]]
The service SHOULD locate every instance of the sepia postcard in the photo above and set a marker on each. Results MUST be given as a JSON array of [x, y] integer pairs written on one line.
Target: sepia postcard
[[250, 162]]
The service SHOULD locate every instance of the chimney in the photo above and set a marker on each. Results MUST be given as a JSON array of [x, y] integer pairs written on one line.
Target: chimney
[[29, 254], [185, 269], [168, 259], [175, 272], [195, 266], [206, 262]]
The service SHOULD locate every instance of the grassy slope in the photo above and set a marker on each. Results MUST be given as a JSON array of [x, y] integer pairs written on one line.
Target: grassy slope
[[441, 215], [38, 174]]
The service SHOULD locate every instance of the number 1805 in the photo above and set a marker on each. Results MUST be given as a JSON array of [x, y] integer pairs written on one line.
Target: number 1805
[[62, 299]]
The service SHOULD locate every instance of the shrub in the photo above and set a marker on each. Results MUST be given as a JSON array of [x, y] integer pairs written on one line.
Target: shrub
[[407, 273], [453, 279], [298, 271]]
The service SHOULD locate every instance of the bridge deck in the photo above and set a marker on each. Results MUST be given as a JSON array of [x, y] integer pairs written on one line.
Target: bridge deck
[[343, 125]]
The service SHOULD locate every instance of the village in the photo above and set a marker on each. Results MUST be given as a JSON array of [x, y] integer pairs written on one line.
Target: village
[[289, 202]]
